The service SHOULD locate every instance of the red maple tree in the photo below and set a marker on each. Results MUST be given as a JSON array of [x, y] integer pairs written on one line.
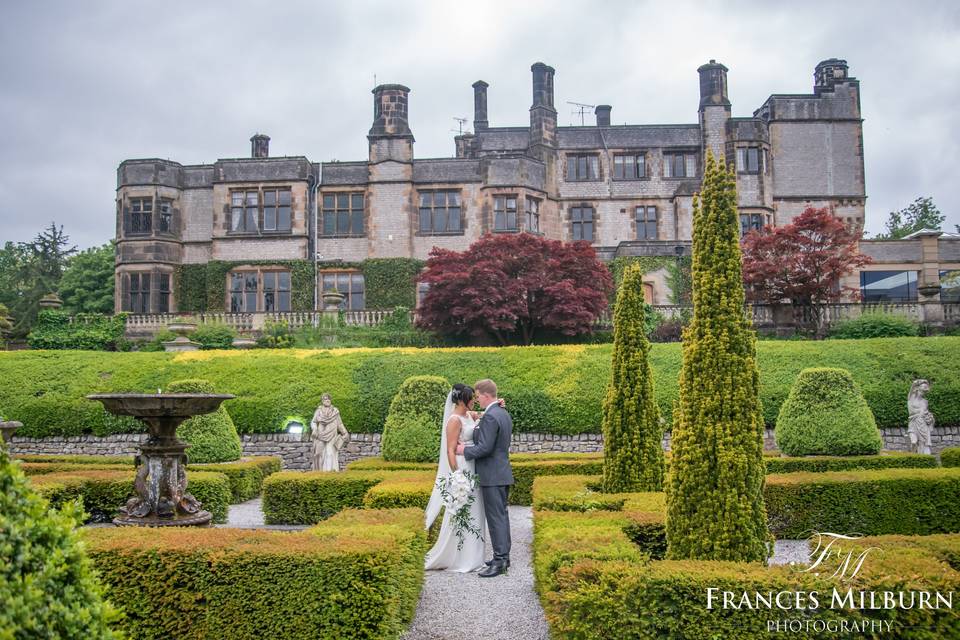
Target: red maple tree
[[511, 286], [801, 262]]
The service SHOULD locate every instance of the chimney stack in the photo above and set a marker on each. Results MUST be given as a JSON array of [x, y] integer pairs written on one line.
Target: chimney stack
[[713, 85], [390, 111], [260, 146], [542, 85], [603, 115], [480, 121]]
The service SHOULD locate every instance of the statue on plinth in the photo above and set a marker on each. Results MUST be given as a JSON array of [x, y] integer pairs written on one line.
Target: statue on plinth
[[921, 420], [328, 435]]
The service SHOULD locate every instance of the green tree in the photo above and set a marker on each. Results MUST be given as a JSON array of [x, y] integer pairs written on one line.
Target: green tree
[[633, 455], [922, 214], [87, 283], [715, 507], [48, 588], [6, 324]]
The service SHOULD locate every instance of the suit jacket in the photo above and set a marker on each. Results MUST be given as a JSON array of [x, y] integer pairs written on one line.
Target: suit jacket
[[491, 448]]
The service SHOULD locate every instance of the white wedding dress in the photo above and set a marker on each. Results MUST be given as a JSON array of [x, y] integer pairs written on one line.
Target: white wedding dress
[[444, 554]]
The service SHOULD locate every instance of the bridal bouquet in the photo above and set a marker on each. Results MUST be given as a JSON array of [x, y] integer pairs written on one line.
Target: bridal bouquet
[[457, 491]]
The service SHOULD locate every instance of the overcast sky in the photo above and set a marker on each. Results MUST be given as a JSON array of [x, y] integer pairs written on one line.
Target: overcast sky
[[88, 84]]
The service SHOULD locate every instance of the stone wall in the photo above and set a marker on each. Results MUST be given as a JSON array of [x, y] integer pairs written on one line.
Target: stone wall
[[296, 452]]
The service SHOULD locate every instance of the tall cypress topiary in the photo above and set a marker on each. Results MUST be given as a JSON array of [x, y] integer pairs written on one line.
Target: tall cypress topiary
[[633, 455], [715, 508]]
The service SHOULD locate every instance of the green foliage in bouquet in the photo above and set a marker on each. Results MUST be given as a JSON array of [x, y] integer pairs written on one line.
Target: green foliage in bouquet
[[715, 501], [631, 421], [825, 414], [412, 430]]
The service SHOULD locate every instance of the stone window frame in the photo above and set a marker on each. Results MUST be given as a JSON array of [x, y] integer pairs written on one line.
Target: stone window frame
[[157, 297], [580, 206], [691, 157], [501, 208], [644, 223], [355, 277], [751, 221], [258, 210], [743, 160], [531, 215], [165, 218], [433, 208], [277, 206], [639, 154], [137, 216], [259, 291], [350, 210], [586, 165]]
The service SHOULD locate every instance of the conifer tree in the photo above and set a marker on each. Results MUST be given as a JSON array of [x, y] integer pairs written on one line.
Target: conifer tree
[[715, 508], [633, 454]]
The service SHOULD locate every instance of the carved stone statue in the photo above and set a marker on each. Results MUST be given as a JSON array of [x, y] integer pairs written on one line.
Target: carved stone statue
[[921, 420], [328, 435]]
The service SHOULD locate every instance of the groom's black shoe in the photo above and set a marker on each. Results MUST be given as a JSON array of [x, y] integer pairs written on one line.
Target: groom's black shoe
[[490, 562], [496, 568]]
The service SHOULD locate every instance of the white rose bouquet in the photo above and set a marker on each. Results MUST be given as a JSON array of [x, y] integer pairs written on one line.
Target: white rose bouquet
[[457, 491]]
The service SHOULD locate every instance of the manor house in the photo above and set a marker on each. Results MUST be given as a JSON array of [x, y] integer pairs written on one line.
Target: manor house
[[627, 189]]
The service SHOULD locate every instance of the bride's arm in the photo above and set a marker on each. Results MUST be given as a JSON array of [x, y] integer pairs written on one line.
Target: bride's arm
[[453, 439]]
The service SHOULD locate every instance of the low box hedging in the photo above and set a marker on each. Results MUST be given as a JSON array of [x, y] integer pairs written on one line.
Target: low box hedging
[[950, 457], [599, 577], [42, 468], [246, 476], [876, 502], [102, 492], [556, 389], [298, 497], [887, 460], [75, 459], [357, 575], [401, 489]]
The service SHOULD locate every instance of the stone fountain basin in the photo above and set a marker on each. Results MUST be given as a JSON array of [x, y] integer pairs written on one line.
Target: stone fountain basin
[[162, 405]]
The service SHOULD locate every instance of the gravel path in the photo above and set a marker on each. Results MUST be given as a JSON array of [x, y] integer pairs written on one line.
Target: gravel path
[[249, 515], [458, 606]]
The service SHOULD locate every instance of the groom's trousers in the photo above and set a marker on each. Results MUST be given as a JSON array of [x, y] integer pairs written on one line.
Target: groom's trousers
[[498, 521]]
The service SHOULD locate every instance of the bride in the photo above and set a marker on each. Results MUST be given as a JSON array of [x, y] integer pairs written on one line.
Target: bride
[[458, 547]]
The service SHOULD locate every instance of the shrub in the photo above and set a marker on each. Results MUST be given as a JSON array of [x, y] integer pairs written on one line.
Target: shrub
[[558, 388], [631, 422], [246, 476], [102, 492], [276, 335], [889, 460], [294, 497], [668, 330], [950, 457], [214, 335], [355, 576], [825, 414], [412, 430], [212, 437], [901, 501], [401, 489], [47, 585], [92, 331], [715, 490], [875, 325]]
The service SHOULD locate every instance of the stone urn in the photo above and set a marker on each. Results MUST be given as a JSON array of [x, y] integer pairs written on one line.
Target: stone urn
[[7, 429], [181, 342], [161, 481], [332, 300], [929, 290]]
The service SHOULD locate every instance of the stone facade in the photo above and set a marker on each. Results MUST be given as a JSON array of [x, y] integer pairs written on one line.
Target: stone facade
[[806, 150], [295, 451]]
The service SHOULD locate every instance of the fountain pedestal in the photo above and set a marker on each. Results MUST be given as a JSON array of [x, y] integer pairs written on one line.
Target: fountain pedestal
[[161, 480]]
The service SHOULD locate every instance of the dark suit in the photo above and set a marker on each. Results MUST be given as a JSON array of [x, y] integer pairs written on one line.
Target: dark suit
[[491, 451]]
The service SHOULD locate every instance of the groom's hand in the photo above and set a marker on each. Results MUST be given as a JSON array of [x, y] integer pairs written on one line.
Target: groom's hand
[[460, 448]]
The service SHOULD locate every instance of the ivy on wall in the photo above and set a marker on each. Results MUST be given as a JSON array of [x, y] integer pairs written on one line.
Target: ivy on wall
[[389, 282], [678, 273]]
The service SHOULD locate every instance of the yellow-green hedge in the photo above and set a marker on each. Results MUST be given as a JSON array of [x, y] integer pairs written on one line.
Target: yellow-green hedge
[[599, 576], [104, 491], [357, 575], [296, 497], [555, 389]]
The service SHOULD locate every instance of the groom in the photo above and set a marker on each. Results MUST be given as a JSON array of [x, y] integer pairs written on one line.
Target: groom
[[492, 454]]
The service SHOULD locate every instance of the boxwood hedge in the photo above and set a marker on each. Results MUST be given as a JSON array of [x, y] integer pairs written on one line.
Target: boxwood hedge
[[950, 457], [357, 575], [554, 389], [103, 491]]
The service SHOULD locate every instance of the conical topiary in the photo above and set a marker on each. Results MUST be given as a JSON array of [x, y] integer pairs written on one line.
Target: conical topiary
[[48, 588], [213, 436], [825, 414], [412, 430], [715, 508], [632, 435]]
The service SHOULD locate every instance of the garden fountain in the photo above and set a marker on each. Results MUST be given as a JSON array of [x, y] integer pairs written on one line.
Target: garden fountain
[[161, 481]]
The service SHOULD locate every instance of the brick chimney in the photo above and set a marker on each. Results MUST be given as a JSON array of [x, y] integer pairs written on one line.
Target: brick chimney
[[480, 121], [603, 115], [543, 117], [260, 146]]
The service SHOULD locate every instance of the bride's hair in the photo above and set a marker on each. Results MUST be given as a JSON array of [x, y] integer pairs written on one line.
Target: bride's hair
[[462, 393]]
